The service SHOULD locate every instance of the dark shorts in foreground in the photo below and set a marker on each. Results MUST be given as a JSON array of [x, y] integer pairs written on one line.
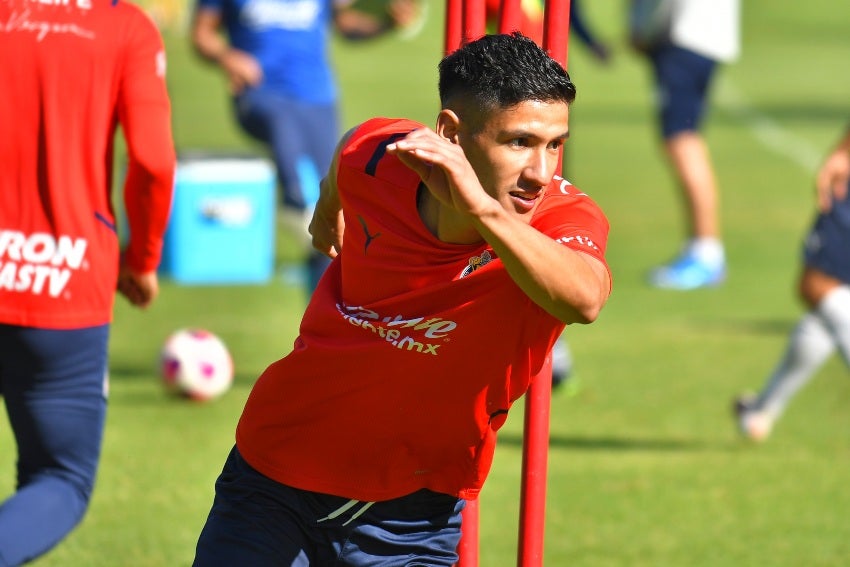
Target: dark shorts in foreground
[[259, 522]]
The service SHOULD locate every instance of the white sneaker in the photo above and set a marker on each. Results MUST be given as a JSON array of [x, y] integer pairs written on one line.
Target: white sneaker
[[753, 424]]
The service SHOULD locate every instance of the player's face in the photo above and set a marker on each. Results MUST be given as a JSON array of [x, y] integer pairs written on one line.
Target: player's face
[[515, 152]]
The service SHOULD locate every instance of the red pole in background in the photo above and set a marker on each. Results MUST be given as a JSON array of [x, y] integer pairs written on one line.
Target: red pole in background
[[454, 25], [472, 17], [510, 15], [466, 20], [556, 29], [467, 549], [538, 399]]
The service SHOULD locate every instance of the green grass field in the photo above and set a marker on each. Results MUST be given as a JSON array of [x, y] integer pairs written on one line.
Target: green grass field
[[646, 468]]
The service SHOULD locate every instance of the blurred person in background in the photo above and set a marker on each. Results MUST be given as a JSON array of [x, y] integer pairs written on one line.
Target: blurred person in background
[[275, 56], [824, 287], [684, 41], [71, 73]]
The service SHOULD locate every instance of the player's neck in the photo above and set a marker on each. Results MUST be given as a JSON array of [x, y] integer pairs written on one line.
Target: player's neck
[[444, 223]]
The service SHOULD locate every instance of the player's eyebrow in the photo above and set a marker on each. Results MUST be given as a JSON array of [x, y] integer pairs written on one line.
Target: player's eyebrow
[[521, 133]]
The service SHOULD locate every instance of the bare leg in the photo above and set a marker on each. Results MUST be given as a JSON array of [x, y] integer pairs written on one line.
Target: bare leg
[[702, 261], [691, 162]]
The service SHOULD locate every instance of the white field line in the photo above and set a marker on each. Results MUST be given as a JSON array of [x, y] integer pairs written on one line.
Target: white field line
[[766, 130]]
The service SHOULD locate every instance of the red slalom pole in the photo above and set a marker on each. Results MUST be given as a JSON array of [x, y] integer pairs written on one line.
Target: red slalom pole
[[454, 26], [466, 20], [538, 399], [535, 456], [467, 549], [556, 29], [474, 19], [510, 15]]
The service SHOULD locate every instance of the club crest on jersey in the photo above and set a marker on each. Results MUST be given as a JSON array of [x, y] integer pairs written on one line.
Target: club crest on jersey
[[477, 262]]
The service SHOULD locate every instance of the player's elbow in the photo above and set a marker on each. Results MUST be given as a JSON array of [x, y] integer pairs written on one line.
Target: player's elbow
[[156, 161], [587, 314], [584, 308], [588, 297]]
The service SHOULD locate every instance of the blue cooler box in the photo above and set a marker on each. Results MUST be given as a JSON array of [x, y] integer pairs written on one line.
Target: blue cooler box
[[221, 229]]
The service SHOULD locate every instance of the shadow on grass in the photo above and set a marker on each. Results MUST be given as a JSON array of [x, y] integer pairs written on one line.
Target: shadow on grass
[[131, 373], [751, 326], [611, 443]]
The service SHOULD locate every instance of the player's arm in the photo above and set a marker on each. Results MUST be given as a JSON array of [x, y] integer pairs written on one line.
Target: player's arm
[[144, 111], [569, 285], [834, 175], [327, 225], [241, 69], [355, 24], [582, 30]]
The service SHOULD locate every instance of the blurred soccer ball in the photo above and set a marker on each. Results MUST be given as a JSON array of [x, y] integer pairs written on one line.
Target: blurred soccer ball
[[196, 364]]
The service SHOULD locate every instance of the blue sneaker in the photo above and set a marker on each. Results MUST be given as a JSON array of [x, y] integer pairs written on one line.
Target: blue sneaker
[[686, 272]]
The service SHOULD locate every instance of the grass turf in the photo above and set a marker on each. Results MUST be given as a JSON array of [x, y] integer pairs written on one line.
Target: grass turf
[[645, 465]]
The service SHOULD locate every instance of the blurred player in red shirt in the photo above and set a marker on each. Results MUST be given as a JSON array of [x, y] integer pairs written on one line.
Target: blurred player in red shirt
[[72, 71]]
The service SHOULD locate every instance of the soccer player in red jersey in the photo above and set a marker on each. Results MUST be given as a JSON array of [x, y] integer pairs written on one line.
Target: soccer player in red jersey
[[71, 71], [460, 255]]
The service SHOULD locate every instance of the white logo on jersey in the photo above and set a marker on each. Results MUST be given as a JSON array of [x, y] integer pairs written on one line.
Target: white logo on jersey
[[39, 262], [387, 328], [582, 240], [564, 186], [82, 4], [20, 21], [294, 15]]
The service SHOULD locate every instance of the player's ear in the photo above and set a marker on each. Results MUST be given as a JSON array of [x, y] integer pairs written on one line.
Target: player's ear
[[448, 125]]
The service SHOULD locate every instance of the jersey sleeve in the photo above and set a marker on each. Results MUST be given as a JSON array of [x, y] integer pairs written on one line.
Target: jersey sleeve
[[144, 111], [573, 219]]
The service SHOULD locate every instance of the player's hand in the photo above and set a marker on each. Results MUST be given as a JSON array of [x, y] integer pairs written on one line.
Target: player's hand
[[242, 70], [832, 178], [328, 224], [444, 169], [404, 13], [140, 289]]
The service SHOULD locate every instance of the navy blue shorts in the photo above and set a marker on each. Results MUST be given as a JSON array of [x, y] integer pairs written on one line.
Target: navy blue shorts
[[682, 79], [827, 245], [301, 137], [259, 522]]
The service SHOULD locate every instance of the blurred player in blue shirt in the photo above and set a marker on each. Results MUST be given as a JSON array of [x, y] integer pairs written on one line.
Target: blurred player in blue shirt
[[275, 55]]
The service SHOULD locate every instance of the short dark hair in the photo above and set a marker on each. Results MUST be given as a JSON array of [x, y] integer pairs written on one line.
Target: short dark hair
[[503, 70]]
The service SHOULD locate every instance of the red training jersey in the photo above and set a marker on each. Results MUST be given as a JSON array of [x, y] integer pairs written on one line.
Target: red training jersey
[[411, 350], [71, 71]]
